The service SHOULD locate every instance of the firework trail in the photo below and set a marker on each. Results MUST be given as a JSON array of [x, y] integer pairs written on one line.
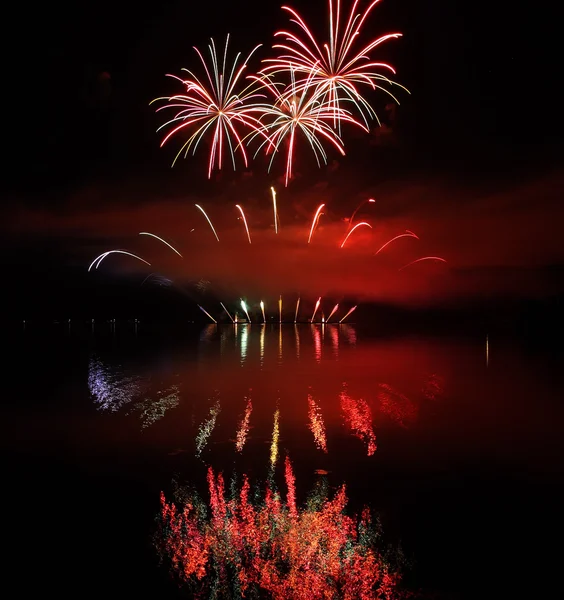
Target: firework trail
[[437, 258], [243, 430], [98, 260], [206, 428], [207, 313], [332, 312], [161, 240], [275, 209], [280, 308], [402, 235], [370, 200], [223, 306], [275, 437], [350, 311], [244, 307], [315, 309], [297, 308], [295, 111], [316, 424], [245, 222], [335, 70], [355, 227], [219, 106], [208, 220], [262, 309], [315, 221]]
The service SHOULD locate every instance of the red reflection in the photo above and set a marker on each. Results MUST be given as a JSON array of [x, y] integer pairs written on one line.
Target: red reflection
[[268, 546], [316, 424], [243, 430], [358, 417], [433, 388], [398, 407]]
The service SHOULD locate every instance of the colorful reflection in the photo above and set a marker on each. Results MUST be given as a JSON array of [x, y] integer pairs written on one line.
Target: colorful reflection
[[243, 429], [358, 417], [152, 410], [275, 436], [111, 388], [400, 409], [256, 544], [207, 427], [316, 424]]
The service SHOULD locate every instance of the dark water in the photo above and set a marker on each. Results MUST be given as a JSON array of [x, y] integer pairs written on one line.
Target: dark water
[[466, 474]]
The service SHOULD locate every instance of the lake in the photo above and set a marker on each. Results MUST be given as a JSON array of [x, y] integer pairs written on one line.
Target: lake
[[456, 443]]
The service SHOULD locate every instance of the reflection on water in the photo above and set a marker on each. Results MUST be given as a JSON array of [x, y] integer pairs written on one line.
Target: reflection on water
[[153, 409], [275, 437], [207, 427], [358, 417], [243, 430], [316, 424], [247, 544], [110, 387]]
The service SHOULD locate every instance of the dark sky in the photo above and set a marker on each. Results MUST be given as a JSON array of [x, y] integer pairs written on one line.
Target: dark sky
[[482, 130]]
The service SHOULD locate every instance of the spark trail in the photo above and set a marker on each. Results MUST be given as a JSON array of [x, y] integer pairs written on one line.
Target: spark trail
[[245, 222], [315, 221], [244, 307], [332, 312], [315, 309], [402, 235], [161, 240], [353, 229], [207, 313], [223, 306], [102, 256], [436, 258], [208, 220], [350, 311]]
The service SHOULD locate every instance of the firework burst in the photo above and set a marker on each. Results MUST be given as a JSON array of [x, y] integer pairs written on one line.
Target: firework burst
[[338, 68], [218, 105], [297, 109]]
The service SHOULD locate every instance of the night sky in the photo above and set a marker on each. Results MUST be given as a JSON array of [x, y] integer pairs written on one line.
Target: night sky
[[473, 162]]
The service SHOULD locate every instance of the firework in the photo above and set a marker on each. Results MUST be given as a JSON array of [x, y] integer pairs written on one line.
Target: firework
[[208, 220], [355, 227], [315, 309], [161, 240], [275, 209], [315, 221], [98, 260], [295, 111], [280, 308], [297, 308], [218, 105], [223, 306], [437, 258], [262, 309], [336, 70], [207, 313], [244, 221], [402, 235], [369, 201], [332, 312], [244, 307], [350, 311]]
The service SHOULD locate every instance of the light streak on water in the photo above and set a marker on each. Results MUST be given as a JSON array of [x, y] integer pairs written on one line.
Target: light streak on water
[[154, 409], [358, 417], [244, 344], [317, 342], [207, 427], [316, 424], [275, 437], [243, 430]]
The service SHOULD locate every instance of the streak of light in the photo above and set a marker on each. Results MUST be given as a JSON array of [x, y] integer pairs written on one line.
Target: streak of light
[[207, 313], [355, 227], [350, 311], [275, 437], [244, 307], [315, 221], [332, 312], [208, 219], [161, 240], [275, 209], [262, 309], [370, 200], [315, 309], [402, 235], [245, 222], [223, 306], [102, 256], [297, 308], [437, 258]]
